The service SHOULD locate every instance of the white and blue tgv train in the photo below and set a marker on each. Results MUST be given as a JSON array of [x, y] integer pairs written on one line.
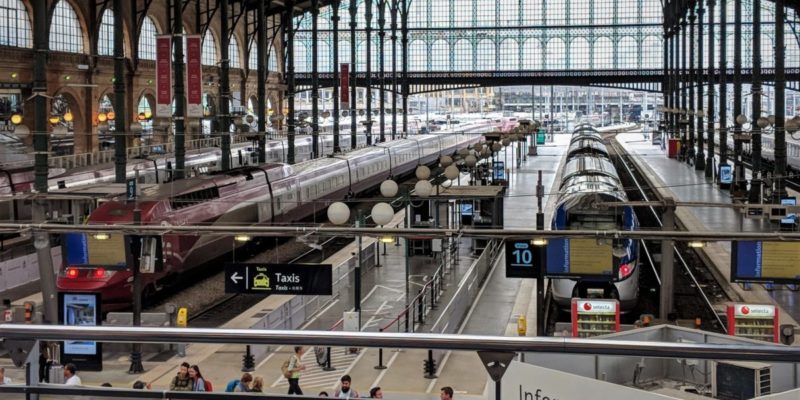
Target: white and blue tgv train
[[590, 177]]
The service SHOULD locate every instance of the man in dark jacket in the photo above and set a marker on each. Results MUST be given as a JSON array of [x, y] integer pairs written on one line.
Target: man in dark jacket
[[181, 382]]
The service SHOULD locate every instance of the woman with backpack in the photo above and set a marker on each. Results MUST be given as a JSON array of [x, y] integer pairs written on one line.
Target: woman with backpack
[[199, 383], [292, 369]]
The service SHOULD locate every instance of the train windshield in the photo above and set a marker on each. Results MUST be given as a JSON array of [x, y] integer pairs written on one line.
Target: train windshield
[[601, 222], [81, 249]]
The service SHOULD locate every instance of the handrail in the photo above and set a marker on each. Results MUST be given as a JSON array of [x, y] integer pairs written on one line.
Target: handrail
[[414, 301], [123, 334]]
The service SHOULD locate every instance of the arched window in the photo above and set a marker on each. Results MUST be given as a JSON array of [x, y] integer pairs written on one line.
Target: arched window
[[272, 60], [15, 26], [418, 56], [387, 55], [532, 55], [767, 51], [65, 30], [509, 55], [462, 56], [603, 53], [145, 113], [233, 53], [147, 40], [302, 58], [556, 54], [651, 52], [486, 55], [579, 54], [324, 56], [252, 61], [105, 41], [440, 56], [209, 50], [344, 51], [627, 54]]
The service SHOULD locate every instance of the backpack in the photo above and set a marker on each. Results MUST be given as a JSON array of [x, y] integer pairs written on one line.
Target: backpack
[[208, 386], [232, 386], [285, 368]]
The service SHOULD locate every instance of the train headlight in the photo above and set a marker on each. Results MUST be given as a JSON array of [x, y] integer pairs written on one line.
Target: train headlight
[[72, 273], [625, 270], [99, 272]]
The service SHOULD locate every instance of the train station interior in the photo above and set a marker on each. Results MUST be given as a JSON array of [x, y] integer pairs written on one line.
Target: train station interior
[[401, 199]]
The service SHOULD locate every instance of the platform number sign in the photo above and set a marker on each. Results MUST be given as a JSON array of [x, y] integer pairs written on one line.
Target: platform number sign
[[522, 259]]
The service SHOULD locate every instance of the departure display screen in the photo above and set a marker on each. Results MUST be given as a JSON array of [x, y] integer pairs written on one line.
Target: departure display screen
[[759, 261], [579, 257]]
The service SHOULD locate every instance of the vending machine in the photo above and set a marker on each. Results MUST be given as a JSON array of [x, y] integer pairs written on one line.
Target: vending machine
[[594, 317], [754, 321]]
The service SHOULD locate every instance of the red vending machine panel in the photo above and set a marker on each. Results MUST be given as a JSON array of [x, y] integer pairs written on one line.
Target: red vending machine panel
[[594, 317], [754, 321]]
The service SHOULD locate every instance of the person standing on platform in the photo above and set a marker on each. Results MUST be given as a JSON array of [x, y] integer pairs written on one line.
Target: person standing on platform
[[182, 382], [447, 393], [198, 383], [296, 368], [71, 377], [345, 391], [258, 385]]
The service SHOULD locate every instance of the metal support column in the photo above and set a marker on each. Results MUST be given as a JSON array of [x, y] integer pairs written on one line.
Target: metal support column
[[665, 84], [667, 302], [683, 68], [180, 91], [690, 82], [47, 279], [382, 74], [395, 6], [261, 89], [290, 87], [134, 246], [739, 180], [368, 18], [335, 65], [353, 83], [723, 85], [700, 162], [755, 155], [710, 112], [120, 109], [404, 31], [224, 115], [780, 102], [315, 152]]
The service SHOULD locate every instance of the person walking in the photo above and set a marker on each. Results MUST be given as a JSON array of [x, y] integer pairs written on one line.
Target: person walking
[[376, 393], [295, 369], [244, 383], [71, 377], [345, 391], [198, 383], [182, 382]]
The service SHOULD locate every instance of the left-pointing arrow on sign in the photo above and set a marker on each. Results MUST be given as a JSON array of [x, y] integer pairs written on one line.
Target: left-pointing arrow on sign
[[236, 278]]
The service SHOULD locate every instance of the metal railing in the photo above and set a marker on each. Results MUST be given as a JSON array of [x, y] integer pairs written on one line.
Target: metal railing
[[23, 337]]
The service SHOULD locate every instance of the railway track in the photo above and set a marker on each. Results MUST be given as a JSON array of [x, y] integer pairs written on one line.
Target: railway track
[[698, 294]]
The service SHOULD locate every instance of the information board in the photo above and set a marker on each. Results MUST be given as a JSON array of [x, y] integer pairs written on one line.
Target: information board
[[790, 217], [523, 259], [81, 309], [579, 257], [499, 170], [725, 174], [266, 279], [757, 261]]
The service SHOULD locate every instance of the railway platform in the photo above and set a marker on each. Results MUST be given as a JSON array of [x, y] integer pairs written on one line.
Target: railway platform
[[671, 178]]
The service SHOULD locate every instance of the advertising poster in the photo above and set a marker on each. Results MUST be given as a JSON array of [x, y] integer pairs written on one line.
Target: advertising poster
[[163, 76], [344, 84], [80, 309], [194, 77]]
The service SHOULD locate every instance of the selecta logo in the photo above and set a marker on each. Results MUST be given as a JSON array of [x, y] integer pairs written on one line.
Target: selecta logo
[[594, 307], [745, 310], [587, 306], [755, 310]]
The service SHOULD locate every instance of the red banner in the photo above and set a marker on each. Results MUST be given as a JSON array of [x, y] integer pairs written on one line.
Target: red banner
[[164, 76], [344, 84], [194, 77]]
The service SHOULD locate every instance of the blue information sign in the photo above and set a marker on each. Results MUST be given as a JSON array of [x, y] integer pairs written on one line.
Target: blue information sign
[[522, 259], [725, 174], [499, 170], [759, 261], [790, 217]]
